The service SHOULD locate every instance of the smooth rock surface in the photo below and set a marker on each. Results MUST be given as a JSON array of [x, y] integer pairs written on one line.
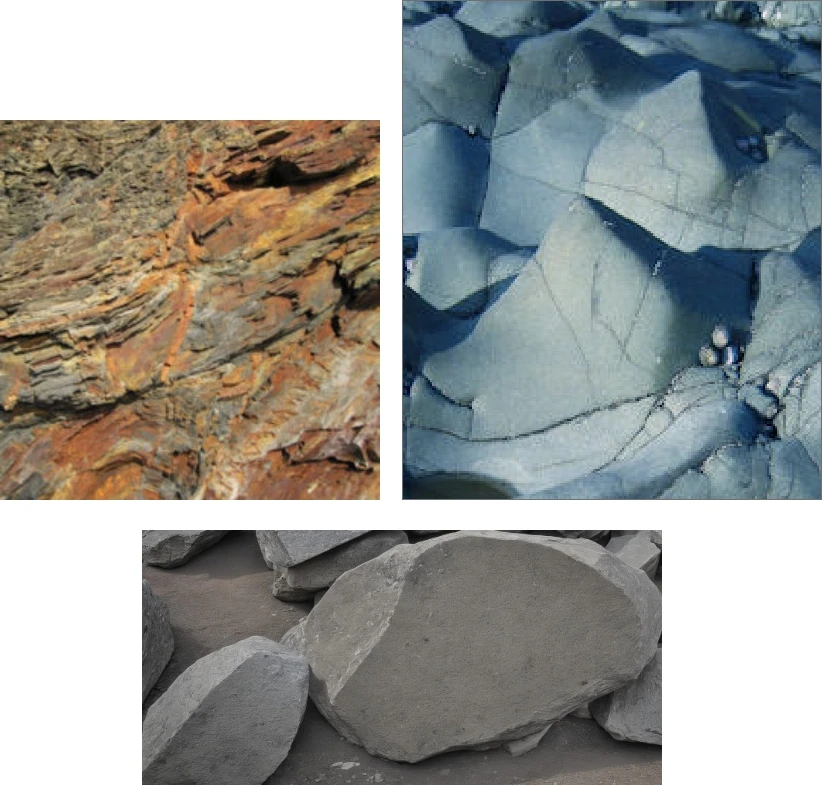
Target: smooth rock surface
[[229, 719], [158, 640], [634, 712], [496, 635], [666, 168], [321, 571], [638, 551], [287, 548], [171, 548]]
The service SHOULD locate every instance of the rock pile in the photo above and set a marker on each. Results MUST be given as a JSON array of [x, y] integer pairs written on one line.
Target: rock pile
[[467, 640]]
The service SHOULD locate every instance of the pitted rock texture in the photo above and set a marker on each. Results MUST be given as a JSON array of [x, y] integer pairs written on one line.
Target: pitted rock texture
[[189, 309], [645, 174], [474, 638], [229, 719]]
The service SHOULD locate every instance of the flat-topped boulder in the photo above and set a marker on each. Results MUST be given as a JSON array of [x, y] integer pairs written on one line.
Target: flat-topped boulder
[[496, 635], [171, 548], [287, 548], [158, 641], [229, 719]]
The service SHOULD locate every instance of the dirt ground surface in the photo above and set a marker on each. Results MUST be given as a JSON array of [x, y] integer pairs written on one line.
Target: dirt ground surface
[[224, 595]]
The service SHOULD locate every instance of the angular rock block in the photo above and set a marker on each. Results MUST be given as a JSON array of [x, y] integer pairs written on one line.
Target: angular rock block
[[496, 636], [158, 641], [173, 548], [634, 712], [518, 18], [287, 548], [321, 571], [229, 719], [612, 332], [638, 551], [451, 73], [284, 591]]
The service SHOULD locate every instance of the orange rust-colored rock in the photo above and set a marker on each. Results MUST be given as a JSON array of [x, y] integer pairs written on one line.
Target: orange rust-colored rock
[[189, 310]]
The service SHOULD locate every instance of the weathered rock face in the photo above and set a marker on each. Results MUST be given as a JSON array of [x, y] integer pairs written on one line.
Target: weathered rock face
[[496, 635], [171, 548], [229, 719], [189, 310], [286, 548], [634, 712], [158, 641]]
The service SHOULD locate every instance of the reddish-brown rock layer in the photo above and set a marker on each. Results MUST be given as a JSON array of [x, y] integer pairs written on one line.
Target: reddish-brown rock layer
[[189, 310]]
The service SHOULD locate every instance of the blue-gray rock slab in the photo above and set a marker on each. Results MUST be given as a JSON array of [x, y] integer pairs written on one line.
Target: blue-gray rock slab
[[634, 712], [496, 635], [229, 719], [285, 548], [171, 548], [612, 332], [158, 640]]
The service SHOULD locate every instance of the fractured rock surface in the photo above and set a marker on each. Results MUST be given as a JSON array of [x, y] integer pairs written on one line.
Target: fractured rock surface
[[229, 719], [189, 309], [634, 712], [496, 636], [171, 548], [646, 176], [158, 640]]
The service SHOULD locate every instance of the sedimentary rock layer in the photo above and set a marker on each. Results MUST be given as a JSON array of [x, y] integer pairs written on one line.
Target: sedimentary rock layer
[[189, 310]]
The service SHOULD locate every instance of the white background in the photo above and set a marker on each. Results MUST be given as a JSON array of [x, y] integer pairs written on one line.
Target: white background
[[741, 602]]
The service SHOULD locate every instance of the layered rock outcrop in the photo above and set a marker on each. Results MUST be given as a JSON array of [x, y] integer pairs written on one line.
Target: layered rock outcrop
[[189, 310]]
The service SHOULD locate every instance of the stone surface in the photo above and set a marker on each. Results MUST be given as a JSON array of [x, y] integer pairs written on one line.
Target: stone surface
[[158, 640], [496, 635], [171, 548], [634, 712], [321, 571], [650, 173], [284, 591], [287, 548], [637, 550], [229, 719], [189, 310]]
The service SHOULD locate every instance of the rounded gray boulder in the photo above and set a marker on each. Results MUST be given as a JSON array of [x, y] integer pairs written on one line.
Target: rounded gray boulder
[[475, 638]]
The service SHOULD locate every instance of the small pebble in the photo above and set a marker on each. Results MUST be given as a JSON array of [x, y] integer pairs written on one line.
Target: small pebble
[[721, 336], [708, 356]]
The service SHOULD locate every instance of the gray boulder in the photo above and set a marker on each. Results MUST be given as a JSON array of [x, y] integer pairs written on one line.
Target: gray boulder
[[496, 636], [321, 571], [638, 551], [284, 591], [294, 639], [171, 548], [158, 641], [287, 548], [229, 719], [634, 712]]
